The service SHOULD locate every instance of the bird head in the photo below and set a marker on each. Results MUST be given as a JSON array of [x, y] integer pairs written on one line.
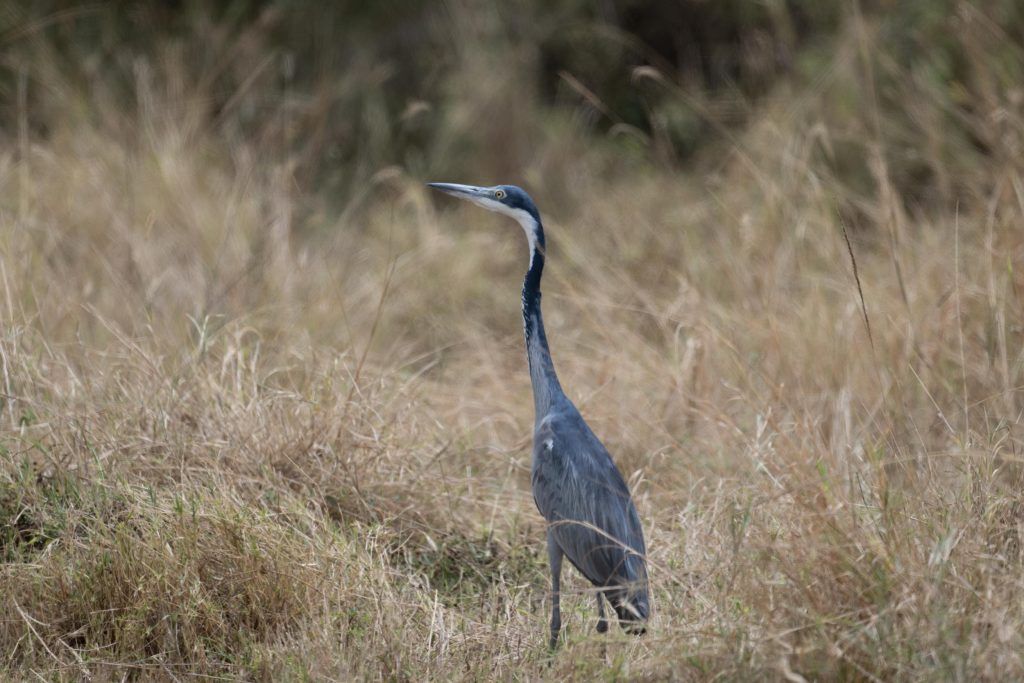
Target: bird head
[[507, 199]]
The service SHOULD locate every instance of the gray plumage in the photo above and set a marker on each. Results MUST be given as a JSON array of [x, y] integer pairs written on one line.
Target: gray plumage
[[577, 487]]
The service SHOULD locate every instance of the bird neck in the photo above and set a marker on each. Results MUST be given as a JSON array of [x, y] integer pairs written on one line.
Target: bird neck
[[542, 371]]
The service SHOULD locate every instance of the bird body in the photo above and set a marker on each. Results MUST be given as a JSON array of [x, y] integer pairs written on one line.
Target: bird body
[[577, 487], [592, 519]]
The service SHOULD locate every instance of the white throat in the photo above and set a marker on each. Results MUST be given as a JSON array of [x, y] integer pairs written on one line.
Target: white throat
[[527, 221], [529, 225]]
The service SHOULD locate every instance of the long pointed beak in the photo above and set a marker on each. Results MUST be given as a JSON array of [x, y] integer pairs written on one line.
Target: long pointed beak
[[468, 192]]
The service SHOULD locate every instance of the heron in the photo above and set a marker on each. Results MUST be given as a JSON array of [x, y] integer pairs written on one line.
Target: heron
[[591, 518]]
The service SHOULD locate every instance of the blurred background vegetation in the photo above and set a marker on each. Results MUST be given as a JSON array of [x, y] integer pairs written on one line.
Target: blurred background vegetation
[[343, 90]]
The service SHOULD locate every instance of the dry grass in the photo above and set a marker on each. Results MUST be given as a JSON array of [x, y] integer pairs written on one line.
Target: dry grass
[[249, 434]]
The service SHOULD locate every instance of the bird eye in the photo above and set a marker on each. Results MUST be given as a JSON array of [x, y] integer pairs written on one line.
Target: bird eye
[[499, 194]]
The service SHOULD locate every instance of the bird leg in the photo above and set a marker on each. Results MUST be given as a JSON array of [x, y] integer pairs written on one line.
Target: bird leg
[[555, 560], [602, 623]]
